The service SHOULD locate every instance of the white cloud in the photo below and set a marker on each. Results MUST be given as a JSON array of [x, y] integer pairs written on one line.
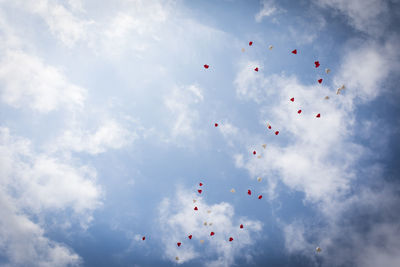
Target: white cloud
[[178, 220], [109, 135], [63, 23], [28, 81], [32, 185], [319, 156], [268, 9], [365, 69], [24, 243], [364, 15], [181, 103]]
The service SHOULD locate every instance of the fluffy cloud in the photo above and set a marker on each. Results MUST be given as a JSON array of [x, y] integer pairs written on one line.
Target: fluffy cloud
[[23, 243], [109, 135], [320, 157], [34, 184], [62, 20], [268, 9], [182, 105], [178, 220], [28, 81], [365, 15]]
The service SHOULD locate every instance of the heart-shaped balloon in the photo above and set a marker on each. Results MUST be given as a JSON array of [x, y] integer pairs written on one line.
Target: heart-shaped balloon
[[190, 236], [320, 80], [230, 239], [317, 64], [250, 43], [143, 238], [206, 66], [199, 191], [299, 111], [241, 226], [277, 132], [212, 233], [260, 197], [292, 99], [294, 51], [216, 125], [256, 69], [179, 244], [200, 184], [249, 192], [195, 208], [254, 152], [318, 115]]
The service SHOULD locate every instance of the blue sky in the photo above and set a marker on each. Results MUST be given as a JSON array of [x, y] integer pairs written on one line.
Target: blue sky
[[107, 128]]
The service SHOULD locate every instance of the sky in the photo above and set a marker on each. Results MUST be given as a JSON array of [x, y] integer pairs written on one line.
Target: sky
[[108, 126]]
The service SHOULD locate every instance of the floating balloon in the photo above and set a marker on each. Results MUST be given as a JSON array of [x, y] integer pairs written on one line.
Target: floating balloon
[[143, 238], [260, 197], [190, 236], [233, 190], [249, 192], [270, 47], [254, 152], [241, 226], [317, 64], [318, 115], [340, 89], [212, 233], [216, 124], [299, 111], [199, 191], [320, 80], [292, 99], [250, 43], [327, 71], [256, 69], [294, 52], [277, 132], [206, 66], [318, 249], [259, 179], [200, 184], [230, 239], [195, 208], [179, 244]]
